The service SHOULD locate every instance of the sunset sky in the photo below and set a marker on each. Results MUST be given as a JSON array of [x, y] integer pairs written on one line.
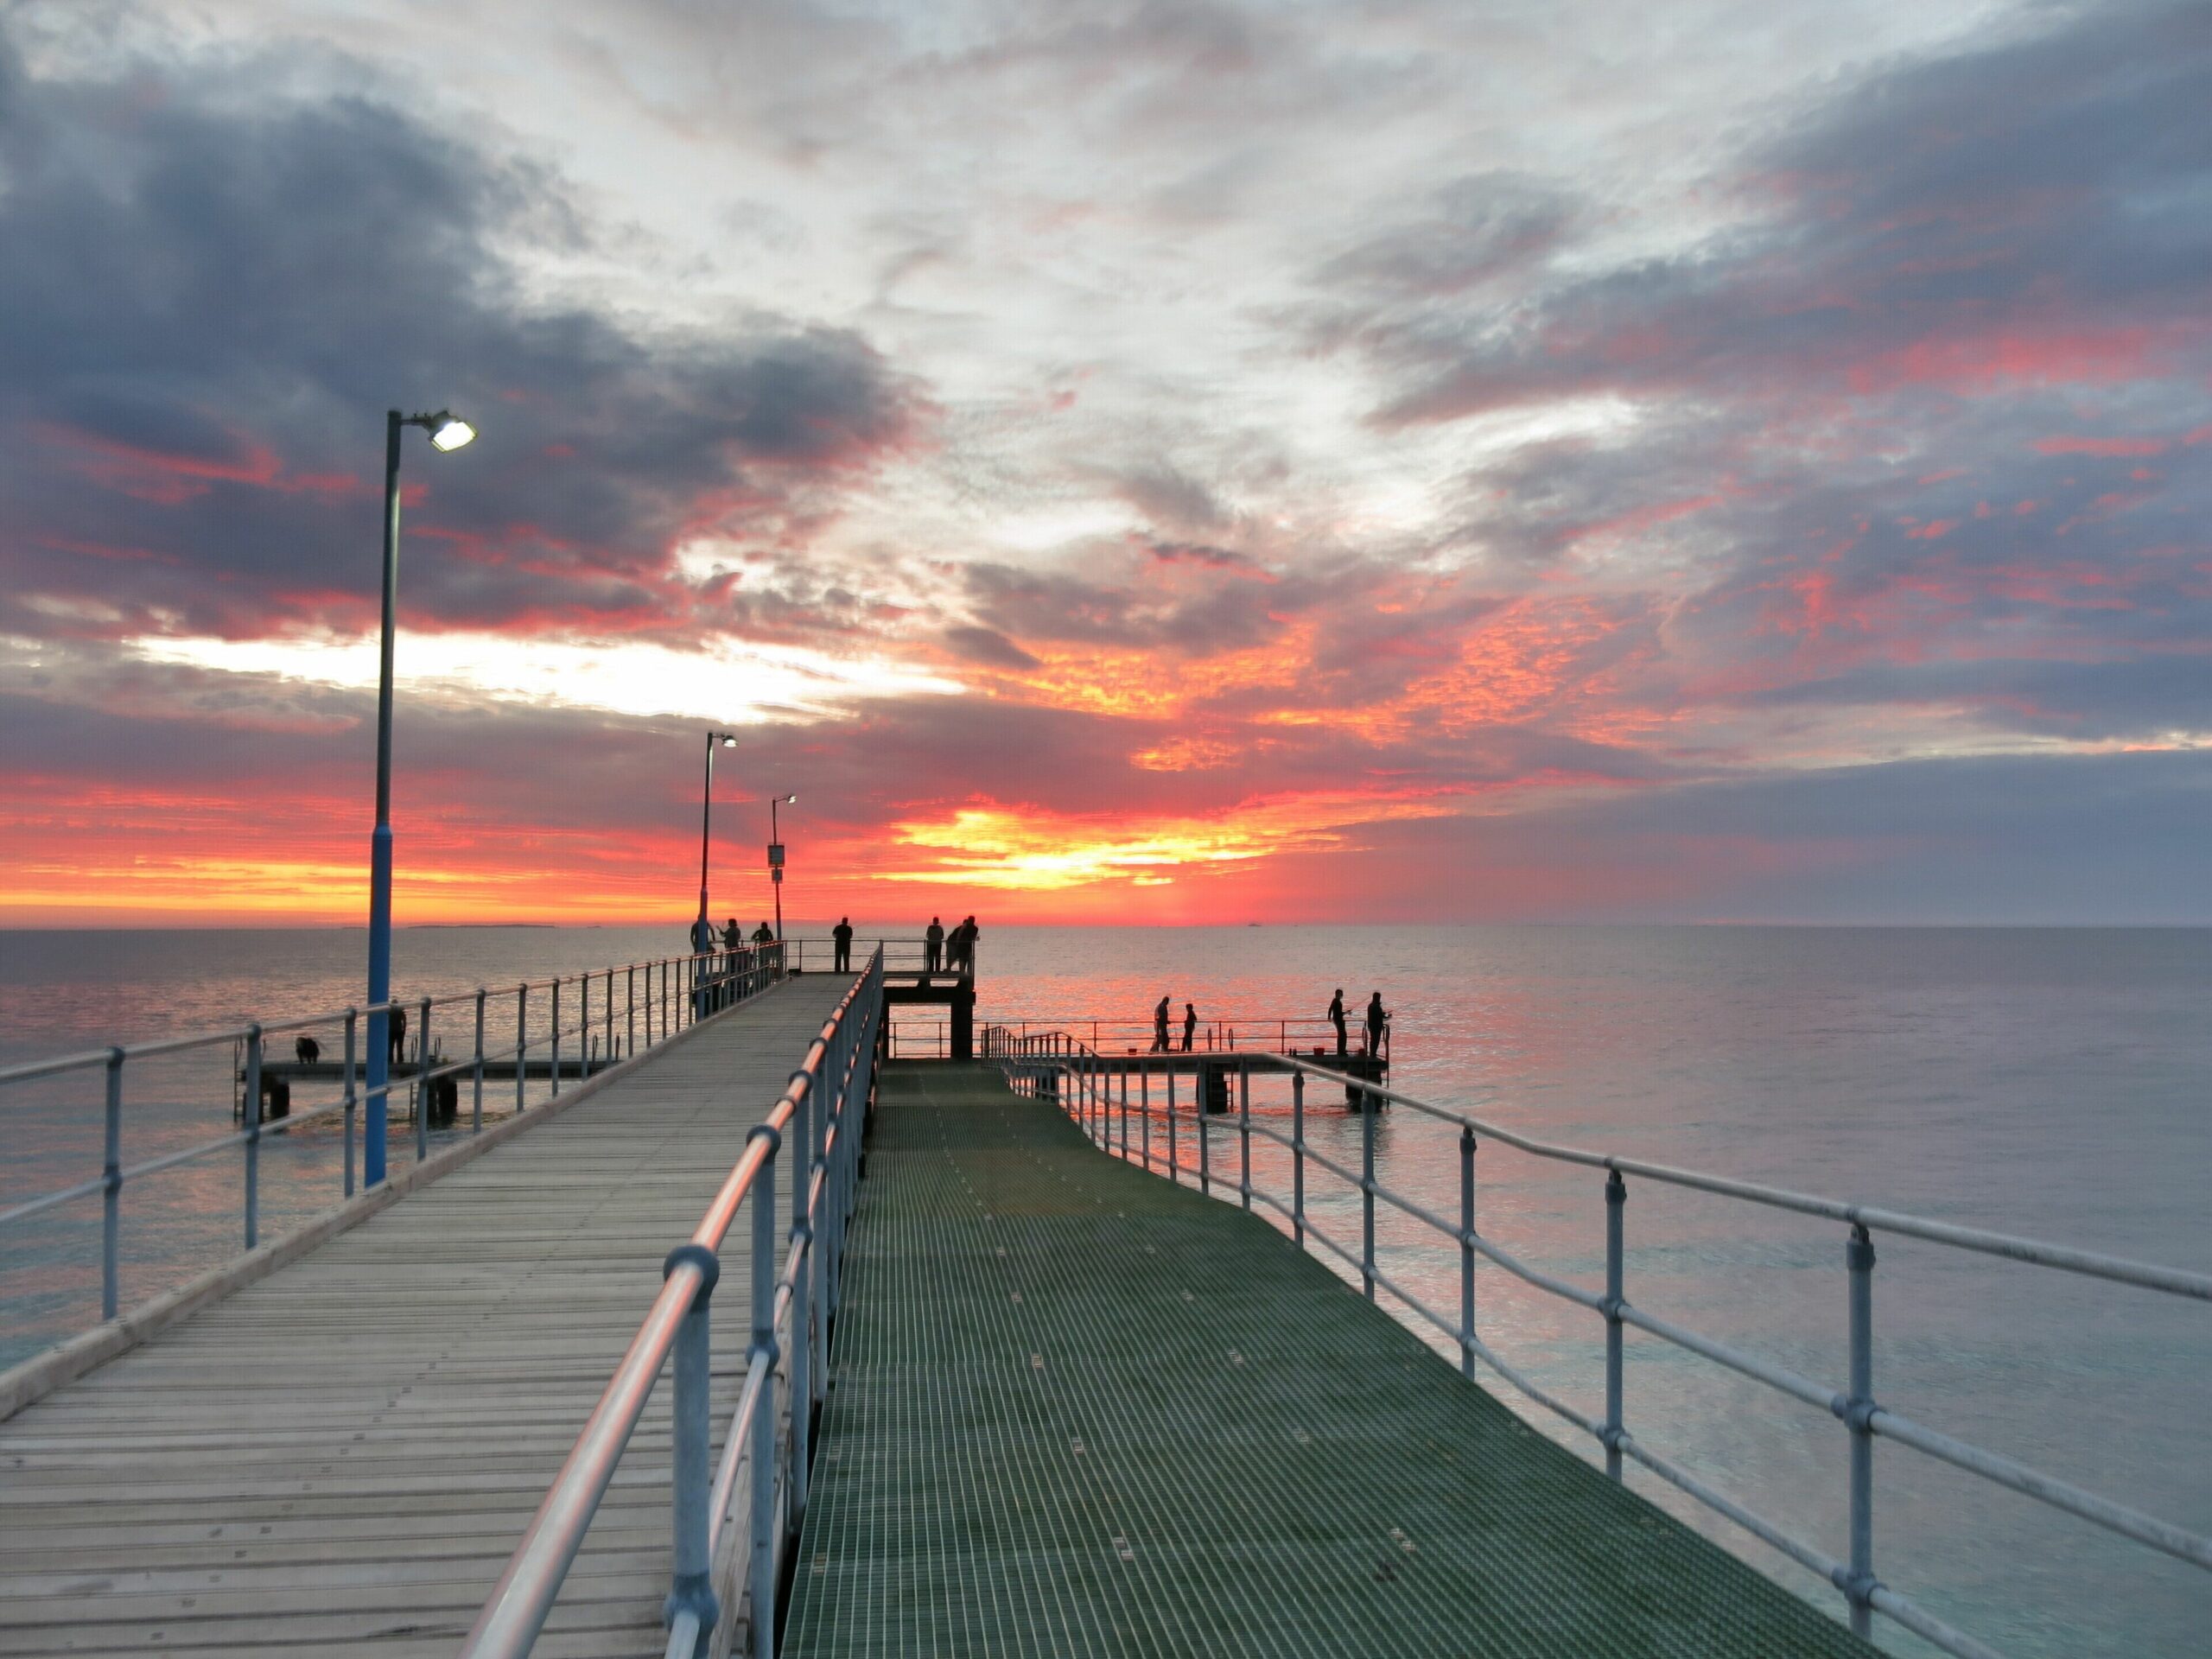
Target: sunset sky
[[1704, 460]]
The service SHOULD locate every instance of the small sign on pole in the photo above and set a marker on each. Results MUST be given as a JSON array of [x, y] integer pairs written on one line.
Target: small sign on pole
[[775, 855]]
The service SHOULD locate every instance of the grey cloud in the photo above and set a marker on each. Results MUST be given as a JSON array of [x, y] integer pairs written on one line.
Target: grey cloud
[[210, 297], [988, 647]]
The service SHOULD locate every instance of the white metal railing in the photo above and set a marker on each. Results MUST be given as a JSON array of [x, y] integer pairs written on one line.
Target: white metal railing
[[1062, 1066], [656, 998], [1313, 1035], [904, 956], [820, 1113]]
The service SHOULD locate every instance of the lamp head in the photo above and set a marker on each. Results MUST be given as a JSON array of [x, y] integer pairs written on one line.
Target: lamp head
[[790, 800], [728, 741], [450, 433]]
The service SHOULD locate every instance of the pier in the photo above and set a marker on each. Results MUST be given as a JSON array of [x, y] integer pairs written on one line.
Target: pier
[[761, 1341]]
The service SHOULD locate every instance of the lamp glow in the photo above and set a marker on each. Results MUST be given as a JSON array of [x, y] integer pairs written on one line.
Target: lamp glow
[[451, 433]]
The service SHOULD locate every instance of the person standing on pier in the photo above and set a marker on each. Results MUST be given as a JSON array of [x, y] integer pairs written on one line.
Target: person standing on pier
[[1190, 1023], [1160, 1028], [933, 947], [764, 934], [843, 934], [732, 937], [1377, 1020], [703, 937], [398, 1029], [1336, 1018]]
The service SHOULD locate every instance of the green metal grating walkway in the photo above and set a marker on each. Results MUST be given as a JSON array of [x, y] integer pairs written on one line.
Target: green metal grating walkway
[[1076, 1410]]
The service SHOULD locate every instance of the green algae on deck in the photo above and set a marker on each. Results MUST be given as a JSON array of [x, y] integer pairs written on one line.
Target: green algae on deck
[[1076, 1410]]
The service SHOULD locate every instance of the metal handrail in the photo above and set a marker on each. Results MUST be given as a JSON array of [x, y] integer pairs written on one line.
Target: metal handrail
[[1061, 1065], [820, 1110], [665, 995]]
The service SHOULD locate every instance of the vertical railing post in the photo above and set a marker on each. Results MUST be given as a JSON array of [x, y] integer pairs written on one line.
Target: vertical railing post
[[1858, 1257], [521, 1043], [691, 1589], [630, 1008], [111, 1186], [802, 1348], [476, 1111], [1367, 1117], [610, 1016], [1144, 1115], [761, 1581], [1466, 1251], [252, 1135], [583, 1021], [1174, 1154], [353, 1021], [557, 1034], [1298, 1157], [422, 1085], [1202, 1106], [1244, 1132], [1124, 1085], [1616, 1269]]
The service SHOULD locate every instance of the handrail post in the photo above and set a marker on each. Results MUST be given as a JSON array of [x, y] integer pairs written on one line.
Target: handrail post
[[1144, 1114], [422, 1085], [111, 1184], [1174, 1153], [1201, 1106], [761, 1581], [476, 1111], [557, 1035], [1367, 1115], [630, 1008], [1244, 1131], [1125, 1116], [583, 1021], [1616, 1265], [1859, 1258], [1466, 1251], [609, 1018], [252, 1135], [1298, 1157], [802, 1238], [522, 1042], [353, 1017], [692, 1588]]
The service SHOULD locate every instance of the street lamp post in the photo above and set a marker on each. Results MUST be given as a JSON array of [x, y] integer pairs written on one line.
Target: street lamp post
[[776, 858], [447, 434], [703, 937]]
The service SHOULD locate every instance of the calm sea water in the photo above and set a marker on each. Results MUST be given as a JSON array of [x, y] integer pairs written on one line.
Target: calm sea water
[[2052, 1082]]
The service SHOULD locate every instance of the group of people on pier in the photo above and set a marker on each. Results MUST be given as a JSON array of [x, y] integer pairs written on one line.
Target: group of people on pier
[[1378, 1023], [954, 951]]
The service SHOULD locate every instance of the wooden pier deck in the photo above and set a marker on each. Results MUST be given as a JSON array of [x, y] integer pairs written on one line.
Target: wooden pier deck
[[1078, 1411], [341, 1457]]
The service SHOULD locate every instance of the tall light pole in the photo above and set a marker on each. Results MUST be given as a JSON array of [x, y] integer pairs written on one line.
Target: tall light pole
[[447, 434], [775, 857], [702, 938]]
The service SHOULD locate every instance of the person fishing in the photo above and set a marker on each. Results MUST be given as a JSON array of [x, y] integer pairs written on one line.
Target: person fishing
[[1377, 1020], [1160, 1028], [1190, 1023], [1336, 1018]]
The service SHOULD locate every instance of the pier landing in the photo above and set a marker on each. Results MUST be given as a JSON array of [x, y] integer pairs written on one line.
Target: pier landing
[[1079, 1410]]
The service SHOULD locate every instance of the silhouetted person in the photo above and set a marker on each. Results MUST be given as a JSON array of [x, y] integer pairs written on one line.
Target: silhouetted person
[[309, 1051], [732, 936], [1336, 1018], [963, 946], [1376, 1019], [703, 937], [933, 947], [1190, 1023], [1160, 1028], [764, 934], [843, 934], [398, 1029]]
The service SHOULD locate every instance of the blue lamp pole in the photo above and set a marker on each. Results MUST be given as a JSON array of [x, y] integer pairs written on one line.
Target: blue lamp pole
[[446, 434], [702, 930]]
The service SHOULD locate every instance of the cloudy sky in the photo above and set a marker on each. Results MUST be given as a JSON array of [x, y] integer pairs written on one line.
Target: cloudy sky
[[1176, 462]]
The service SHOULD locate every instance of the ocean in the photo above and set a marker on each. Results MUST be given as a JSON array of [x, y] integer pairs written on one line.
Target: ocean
[[2052, 1082]]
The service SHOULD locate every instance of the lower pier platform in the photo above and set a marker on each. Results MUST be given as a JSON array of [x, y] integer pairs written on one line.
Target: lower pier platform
[[1077, 1410]]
